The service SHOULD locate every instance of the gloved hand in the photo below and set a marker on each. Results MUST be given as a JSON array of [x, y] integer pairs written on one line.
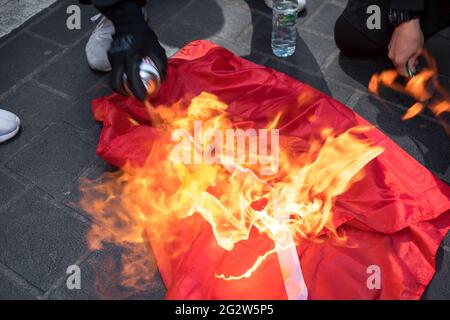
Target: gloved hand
[[133, 40]]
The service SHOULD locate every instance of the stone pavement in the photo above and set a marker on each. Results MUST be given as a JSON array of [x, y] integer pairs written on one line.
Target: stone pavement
[[46, 81], [14, 13]]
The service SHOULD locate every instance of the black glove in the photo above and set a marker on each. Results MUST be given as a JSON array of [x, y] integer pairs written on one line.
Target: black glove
[[132, 41]]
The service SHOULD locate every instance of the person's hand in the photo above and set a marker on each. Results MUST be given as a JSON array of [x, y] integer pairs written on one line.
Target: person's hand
[[125, 55], [406, 46], [133, 41]]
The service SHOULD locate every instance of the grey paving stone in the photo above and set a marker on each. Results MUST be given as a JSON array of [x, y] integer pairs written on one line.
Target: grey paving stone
[[342, 3], [38, 240], [260, 7], [424, 140], [320, 48], [55, 159], [172, 35], [54, 27], [70, 73], [311, 50], [225, 18], [37, 108], [9, 189], [325, 19], [170, 51], [355, 72], [338, 92], [11, 290], [101, 279], [237, 49], [311, 9], [80, 114], [8, 22], [439, 287], [2, 32], [16, 12], [161, 12], [21, 56]]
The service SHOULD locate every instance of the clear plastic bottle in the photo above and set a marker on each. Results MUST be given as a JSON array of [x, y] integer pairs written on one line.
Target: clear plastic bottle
[[284, 32]]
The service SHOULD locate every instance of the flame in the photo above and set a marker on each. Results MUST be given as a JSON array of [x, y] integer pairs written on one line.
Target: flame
[[441, 107], [231, 191], [413, 111], [416, 87], [423, 87]]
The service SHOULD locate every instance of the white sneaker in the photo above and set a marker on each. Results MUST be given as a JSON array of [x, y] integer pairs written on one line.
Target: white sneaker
[[9, 125], [100, 41], [301, 4]]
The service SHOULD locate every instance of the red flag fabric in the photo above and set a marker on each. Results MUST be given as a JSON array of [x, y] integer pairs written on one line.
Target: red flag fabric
[[394, 218]]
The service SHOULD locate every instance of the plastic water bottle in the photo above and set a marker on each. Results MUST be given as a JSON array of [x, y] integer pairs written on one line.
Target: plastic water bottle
[[284, 32]]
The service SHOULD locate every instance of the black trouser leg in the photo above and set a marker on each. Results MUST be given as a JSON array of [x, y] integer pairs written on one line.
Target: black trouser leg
[[108, 3], [353, 37]]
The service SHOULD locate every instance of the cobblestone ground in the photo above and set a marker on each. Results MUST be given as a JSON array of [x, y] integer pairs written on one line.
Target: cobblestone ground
[[46, 81]]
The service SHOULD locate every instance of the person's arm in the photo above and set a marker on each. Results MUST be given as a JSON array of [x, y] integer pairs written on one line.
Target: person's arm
[[133, 40], [407, 39]]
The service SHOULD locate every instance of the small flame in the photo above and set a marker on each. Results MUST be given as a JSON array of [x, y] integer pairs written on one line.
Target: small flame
[[413, 111], [423, 87], [416, 87], [441, 107], [231, 194]]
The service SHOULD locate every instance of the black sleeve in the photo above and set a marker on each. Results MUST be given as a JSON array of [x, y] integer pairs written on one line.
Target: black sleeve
[[104, 4], [101, 3], [411, 5], [107, 4], [126, 15]]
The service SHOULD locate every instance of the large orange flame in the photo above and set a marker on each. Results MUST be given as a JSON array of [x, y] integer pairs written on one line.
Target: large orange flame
[[233, 193]]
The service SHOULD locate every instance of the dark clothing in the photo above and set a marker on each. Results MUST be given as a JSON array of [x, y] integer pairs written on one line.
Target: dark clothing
[[353, 37], [412, 5], [108, 3], [125, 14]]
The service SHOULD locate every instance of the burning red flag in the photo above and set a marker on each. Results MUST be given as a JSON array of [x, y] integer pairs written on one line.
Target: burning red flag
[[365, 217]]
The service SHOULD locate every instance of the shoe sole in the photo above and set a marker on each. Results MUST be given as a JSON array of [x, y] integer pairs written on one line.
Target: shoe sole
[[99, 70], [11, 134], [93, 67]]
